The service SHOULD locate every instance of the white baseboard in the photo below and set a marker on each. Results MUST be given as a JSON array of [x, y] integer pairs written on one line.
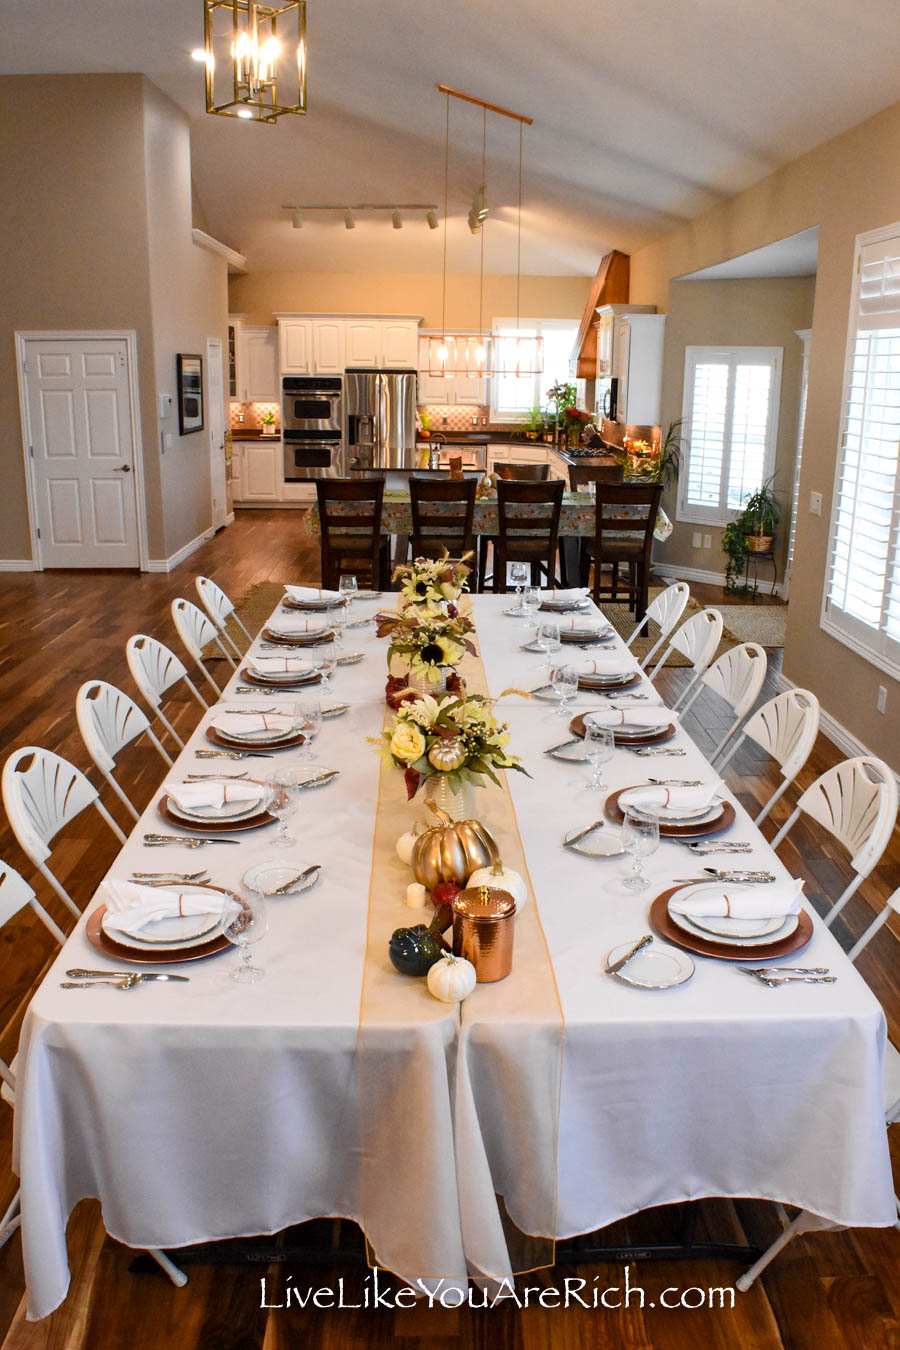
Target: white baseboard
[[675, 573], [16, 565], [229, 519], [168, 564], [836, 732]]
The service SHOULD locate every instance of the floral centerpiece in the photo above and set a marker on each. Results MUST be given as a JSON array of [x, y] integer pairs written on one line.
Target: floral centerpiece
[[458, 739], [640, 459], [432, 581], [433, 640], [576, 419]]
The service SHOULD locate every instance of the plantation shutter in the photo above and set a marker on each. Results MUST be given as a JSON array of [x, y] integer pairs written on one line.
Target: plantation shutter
[[862, 605]]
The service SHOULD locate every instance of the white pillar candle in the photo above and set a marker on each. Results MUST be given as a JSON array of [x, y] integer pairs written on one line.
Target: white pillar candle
[[416, 895]]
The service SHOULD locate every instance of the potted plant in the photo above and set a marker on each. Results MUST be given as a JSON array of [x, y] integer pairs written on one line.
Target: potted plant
[[535, 423], [760, 516], [670, 453], [268, 423], [561, 395], [734, 545]]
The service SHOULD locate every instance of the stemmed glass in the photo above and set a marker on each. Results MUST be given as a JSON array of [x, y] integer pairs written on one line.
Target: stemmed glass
[[531, 601], [548, 641], [246, 928], [311, 721], [640, 835], [347, 587], [325, 660], [518, 574], [285, 785], [599, 744], [564, 680]]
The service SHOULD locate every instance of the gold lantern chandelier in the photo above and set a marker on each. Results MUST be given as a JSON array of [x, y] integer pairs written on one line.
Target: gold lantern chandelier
[[255, 58], [481, 352]]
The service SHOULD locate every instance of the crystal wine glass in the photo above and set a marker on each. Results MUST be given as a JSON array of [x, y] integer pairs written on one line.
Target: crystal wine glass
[[285, 785], [531, 602], [548, 640], [640, 835], [599, 744], [348, 587], [518, 575], [248, 927], [325, 660], [311, 722], [564, 680]]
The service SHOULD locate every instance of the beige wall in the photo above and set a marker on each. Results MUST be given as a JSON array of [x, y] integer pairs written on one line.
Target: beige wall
[[754, 313], [849, 185], [262, 294], [82, 155]]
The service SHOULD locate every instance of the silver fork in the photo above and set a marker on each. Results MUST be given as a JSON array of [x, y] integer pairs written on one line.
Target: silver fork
[[774, 971], [170, 876], [199, 777], [676, 782], [796, 979]]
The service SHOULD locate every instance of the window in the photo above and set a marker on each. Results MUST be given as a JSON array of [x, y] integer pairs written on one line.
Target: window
[[731, 424], [861, 604], [511, 397]]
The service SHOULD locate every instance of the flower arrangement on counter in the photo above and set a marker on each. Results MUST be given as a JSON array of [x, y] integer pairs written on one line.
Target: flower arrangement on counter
[[459, 737], [576, 419], [433, 581], [640, 459], [428, 637]]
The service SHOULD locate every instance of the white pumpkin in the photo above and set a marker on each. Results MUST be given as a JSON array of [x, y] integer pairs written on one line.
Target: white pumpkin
[[451, 979], [498, 877], [406, 843]]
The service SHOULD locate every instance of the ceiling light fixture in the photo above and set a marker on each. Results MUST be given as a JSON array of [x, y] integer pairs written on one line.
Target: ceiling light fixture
[[255, 57], [397, 220], [297, 220], [480, 353], [298, 209]]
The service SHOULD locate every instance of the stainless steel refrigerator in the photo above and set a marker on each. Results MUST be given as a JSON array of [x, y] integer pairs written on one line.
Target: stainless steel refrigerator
[[381, 418]]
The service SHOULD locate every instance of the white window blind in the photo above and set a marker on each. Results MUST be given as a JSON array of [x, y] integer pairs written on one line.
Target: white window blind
[[512, 397], [731, 422], [862, 591]]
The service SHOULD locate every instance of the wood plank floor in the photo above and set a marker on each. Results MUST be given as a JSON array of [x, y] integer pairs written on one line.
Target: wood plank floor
[[825, 1291]]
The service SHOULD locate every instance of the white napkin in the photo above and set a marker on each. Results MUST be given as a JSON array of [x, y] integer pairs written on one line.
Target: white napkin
[[238, 724], [192, 796], [585, 625], [628, 717], [130, 907], [681, 799], [311, 593], [570, 596], [290, 627], [741, 902], [282, 665], [605, 663]]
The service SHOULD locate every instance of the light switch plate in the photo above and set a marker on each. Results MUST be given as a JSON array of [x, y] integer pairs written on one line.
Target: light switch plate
[[815, 503], [166, 404]]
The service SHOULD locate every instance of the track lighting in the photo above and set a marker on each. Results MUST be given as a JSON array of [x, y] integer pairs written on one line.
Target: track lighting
[[297, 220], [431, 217], [349, 222], [397, 220], [349, 213]]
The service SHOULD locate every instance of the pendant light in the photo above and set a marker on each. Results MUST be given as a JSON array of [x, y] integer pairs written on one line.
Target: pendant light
[[255, 58]]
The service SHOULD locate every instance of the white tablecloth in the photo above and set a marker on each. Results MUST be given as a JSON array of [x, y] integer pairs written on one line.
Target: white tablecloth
[[208, 1110]]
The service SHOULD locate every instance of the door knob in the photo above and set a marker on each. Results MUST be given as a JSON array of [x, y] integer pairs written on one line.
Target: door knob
[[124, 468]]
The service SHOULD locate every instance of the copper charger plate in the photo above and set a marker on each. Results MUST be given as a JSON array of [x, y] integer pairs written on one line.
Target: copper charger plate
[[312, 606], [589, 688], [664, 925], [315, 678], [213, 826], [239, 743], [668, 829], [576, 726], [146, 957], [300, 639]]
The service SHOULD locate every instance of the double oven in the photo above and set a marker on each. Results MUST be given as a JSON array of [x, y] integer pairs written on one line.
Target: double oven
[[312, 427]]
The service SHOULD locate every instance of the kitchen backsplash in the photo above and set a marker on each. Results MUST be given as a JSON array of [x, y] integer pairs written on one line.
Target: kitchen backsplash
[[252, 414], [449, 417]]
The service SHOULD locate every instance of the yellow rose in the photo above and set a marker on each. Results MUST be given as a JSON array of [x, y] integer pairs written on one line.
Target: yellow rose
[[407, 743]]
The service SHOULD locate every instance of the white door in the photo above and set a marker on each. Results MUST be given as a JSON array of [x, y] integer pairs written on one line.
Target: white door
[[218, 477], [81, 450]]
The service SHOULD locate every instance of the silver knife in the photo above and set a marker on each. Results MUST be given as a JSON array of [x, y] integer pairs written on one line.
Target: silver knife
[[122, 974], [232, 754], [562, 745], [295, 881], [748, 876], [623, 960], [187, 839], [576, 838]]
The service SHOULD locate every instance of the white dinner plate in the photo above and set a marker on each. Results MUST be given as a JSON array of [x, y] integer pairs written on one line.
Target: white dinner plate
[[283, 676], [606, 842], [173, 934], [657, 966], [263, 735], [565, 606], [667, 816], [752, 932], [367, 595], [335, 709], [265, 878], [520, 613], [228, 811]]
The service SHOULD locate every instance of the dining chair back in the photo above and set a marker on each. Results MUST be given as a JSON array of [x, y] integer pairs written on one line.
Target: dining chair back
[[665, 610], [582, 474], [697, 639], [856, 802], [529, 527], [42, 792], [443, 516], [624, 520], [523, 473], [786, 727], [196, 632], [350, 522], [737, 677], [15, 895], [220, 609], [155, 669], [108, 721]]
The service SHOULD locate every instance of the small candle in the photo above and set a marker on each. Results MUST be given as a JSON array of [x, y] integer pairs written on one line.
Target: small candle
[[416, 895]]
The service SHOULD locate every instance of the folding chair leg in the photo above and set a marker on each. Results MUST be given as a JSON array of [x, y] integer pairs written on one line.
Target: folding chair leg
[[11, 1220], [801, 1224], [177, 1276], [240, 623]]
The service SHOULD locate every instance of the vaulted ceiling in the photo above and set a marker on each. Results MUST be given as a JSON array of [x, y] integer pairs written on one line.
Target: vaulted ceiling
[[645, 113]]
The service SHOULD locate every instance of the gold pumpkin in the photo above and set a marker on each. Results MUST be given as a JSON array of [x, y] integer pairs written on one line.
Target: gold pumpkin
[[447, 755], [451, 850]]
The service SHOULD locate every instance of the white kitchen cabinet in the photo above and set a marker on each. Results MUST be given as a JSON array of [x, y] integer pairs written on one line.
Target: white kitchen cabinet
[[328, 346], [605, 326], [524, 452], [637, 364], [468, 391], [258, 471], [435, 389], [399, 344], [295, 346], [257, 365], [362, 340]]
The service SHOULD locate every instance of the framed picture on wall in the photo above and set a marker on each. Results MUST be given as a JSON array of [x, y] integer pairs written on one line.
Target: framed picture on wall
[[190, 393]]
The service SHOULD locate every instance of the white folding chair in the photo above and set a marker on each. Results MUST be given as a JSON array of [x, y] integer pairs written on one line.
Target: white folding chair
[[665, 610], [804, 1221], [154, 669], [196, 632], [856, 801], [787, 727], [220, 610], [15, 894], [108, 721], [42, 792], [697, 639], [737, 677]]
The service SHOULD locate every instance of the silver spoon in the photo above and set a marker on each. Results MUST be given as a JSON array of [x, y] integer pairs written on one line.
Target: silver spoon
[[129, 982]]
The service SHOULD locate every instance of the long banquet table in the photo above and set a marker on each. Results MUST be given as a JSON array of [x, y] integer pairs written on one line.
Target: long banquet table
[[206, 1110]]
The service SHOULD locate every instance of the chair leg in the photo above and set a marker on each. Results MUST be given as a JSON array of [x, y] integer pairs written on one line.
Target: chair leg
[[11, 1220], [802, 1223], [177, 1276]]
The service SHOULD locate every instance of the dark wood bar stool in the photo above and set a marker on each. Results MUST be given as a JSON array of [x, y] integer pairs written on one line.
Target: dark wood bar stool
[[517, 473], [443, 516], [622, 536], [350, 519], [529, 527]]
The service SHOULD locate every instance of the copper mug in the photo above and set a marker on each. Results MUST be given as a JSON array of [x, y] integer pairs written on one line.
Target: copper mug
[[483, 931]]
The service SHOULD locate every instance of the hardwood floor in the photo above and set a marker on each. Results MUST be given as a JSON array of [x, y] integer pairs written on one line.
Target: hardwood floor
[[826, 1290]]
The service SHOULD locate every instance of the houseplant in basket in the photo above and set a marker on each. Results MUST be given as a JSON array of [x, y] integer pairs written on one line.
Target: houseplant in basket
[[759, 518]]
